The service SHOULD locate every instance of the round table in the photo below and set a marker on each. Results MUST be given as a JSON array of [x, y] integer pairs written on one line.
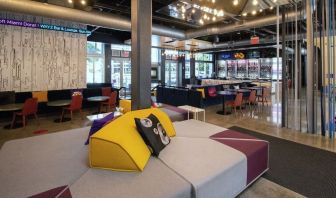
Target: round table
[[98, 99], [13, 108], [226, 95], [60, 103]]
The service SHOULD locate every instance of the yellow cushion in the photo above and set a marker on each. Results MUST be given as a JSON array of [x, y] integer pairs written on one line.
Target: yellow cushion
[[118, 146], [42, 96], [202, 92], [126, 105]]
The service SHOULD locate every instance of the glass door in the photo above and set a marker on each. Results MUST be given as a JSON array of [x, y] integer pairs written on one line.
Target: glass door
[[121, 72], [171, 73], [116, 64]]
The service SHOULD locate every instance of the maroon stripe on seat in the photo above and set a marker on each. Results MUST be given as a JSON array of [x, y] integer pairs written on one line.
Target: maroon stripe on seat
[[62, 192], [256, 153], [176, 109], [232, 134]]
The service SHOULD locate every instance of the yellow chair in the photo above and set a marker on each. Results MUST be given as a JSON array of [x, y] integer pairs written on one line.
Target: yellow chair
[[125, 105], [202, 92], [42, 96], [118, 146]]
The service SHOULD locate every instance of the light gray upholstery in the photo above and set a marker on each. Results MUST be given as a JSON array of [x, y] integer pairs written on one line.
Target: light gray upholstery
[[36, 164], [196, 128], [156, 181], [214, 169]]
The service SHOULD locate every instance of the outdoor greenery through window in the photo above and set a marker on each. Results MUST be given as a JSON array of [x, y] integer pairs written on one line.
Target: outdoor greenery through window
[[95, 62]]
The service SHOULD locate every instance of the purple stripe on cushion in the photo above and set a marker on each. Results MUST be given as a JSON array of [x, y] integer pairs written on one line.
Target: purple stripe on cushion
[[232, 134], [54, 192], [256, 153]]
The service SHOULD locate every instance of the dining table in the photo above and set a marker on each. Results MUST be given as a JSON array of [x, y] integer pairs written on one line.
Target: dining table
[[97, 99], [60, 104], [12, 108], [226, 95]]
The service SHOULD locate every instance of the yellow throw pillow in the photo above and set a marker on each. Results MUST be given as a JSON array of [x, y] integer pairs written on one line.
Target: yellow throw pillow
[[202, 92], [125, 105], [118, 146], [42, 96]]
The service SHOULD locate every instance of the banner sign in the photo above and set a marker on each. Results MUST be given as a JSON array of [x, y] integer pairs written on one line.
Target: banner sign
[[43, 26]]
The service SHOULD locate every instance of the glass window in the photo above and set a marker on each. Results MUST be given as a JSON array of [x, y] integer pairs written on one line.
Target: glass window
[[187, 70], [95, 70], [95, 63], [94, 48], [155, 55]]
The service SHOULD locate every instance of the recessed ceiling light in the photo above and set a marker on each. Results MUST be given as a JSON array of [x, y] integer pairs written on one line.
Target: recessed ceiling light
[[235, 2], [201, 22], [83, 2], [244, 14], [271, 8], [193, 10], [254, 12], [213, 1], [260, 10], [205, 16], [274, 1], [70, 1], [214, 18], [255, 2]]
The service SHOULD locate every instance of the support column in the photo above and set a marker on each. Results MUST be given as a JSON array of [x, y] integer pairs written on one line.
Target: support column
[[181, 71], [310, 69], [141, 19], [284, 70], [108, 59], [192, 70], [163, 67]]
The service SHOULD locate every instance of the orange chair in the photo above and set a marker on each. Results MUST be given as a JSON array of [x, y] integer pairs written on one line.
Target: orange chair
[[29, 108], [75, 105], [264, 96], [252, 98], [238, 102], [106, 91], [111, 103]]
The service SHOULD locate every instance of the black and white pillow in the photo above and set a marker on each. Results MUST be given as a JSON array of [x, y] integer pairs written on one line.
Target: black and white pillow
[[153, 133]]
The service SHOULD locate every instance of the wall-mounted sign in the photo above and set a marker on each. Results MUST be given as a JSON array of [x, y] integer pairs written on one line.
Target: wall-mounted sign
[[43, 26], [253, 54], [225, 56], [239, 55], [255, 40]]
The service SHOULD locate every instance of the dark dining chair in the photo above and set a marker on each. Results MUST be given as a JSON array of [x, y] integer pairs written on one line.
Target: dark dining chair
[[106, 91], [111, 103], [29, 108], [75, 105]]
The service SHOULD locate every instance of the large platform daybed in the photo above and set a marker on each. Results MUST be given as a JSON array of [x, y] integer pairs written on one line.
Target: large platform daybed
[[203, 160]]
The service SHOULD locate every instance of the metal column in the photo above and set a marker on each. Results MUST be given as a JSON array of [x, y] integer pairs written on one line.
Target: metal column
[[141, 19], [108, 58], [163, 68], [192, 71], [310, 69], [284, 70]]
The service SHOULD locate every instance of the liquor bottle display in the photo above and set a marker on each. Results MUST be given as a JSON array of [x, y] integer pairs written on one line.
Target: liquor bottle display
[[253, 68]]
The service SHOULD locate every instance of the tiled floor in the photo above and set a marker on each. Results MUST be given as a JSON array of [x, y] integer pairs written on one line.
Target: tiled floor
[[258, 119]]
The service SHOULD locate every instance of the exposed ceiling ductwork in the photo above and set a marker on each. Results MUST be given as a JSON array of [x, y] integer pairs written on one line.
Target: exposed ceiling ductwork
[[124, 24]]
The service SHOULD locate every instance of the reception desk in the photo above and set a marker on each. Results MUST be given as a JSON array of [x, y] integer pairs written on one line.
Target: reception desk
[[222, 82]]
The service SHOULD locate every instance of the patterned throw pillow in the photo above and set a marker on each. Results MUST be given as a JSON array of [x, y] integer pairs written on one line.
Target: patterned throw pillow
[[153, 133]]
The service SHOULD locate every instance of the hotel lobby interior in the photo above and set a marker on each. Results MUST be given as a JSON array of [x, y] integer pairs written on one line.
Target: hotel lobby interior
[[167, 98]]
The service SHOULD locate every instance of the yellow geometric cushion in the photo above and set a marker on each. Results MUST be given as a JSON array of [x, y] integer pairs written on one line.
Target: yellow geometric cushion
[[126, 105], [42, 96], [118, 146], [202, 92]]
